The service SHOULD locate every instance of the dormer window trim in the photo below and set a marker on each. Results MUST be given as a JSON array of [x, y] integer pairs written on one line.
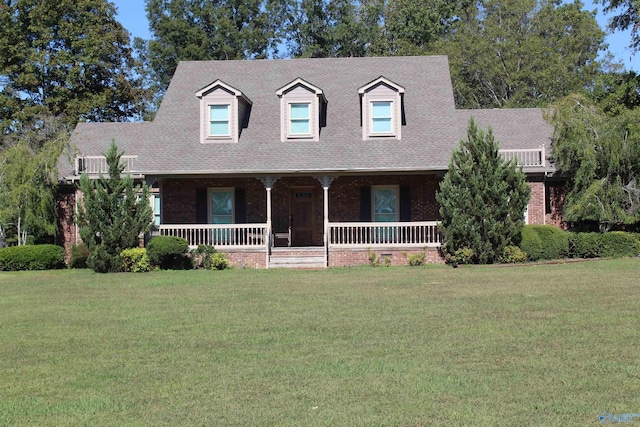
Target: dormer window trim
[[297, 93], [216, 94], [295, 118], [218, 120], [377, 93]]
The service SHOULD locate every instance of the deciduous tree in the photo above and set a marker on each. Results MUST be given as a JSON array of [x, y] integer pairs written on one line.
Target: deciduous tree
[[627, 18], [203, 29], [29, 178], [523, 53], [68, 58], [600, 154]]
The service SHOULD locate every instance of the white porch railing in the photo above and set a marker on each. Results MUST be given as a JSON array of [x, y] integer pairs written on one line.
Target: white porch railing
[[219, 235], [94, 165], [534, 158], [376, 234]]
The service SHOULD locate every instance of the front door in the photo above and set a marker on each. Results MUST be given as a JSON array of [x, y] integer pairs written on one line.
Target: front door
[[302, 217]]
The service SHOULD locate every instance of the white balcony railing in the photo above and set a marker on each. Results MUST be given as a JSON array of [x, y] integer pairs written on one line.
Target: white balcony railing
[[219, 235], [534, 158], [94, 165], [375, 234]]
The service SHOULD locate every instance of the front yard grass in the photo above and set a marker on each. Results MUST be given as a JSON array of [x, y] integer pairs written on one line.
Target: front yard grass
[[534, 345]]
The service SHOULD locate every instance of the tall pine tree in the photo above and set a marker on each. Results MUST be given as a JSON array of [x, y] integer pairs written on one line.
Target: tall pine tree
[[482, 198], [114, 214]]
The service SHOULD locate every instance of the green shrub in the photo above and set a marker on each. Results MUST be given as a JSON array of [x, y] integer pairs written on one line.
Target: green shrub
[[31, 257], [513, 254], [201, 256], [135, 260], [585, 245], [461, 256], [531, 243], [79, 255], [416, 260], [611, 244], [374, 258], [169, 252], [619, 244], [219, 261], [101, 261], [554, 242]]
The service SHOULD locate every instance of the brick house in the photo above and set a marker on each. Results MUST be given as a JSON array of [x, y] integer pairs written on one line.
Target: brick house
[[319, 159]]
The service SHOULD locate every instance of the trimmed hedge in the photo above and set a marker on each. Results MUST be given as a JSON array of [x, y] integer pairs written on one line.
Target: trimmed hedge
[[544, 242], [612, 244], [31, 257], [169, 253]]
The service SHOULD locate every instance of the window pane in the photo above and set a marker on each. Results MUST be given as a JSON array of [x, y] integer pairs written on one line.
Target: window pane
[[381, 126], [381, 109], [156, 210], [219, 112], [385, 204], [219, 128], [299, 111], [221, 204], [300, 126]]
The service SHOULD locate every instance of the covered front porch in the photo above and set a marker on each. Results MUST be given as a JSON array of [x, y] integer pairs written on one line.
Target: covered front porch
[[257, 220]]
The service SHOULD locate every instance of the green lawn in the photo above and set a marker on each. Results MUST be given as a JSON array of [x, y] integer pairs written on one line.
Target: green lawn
[[533, 345]]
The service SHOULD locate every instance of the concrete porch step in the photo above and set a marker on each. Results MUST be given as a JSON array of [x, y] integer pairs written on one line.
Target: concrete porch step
[[296, 261]]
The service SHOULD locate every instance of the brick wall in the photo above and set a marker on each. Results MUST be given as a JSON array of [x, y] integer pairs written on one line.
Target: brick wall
[[178, 198], [556, 192], [537, 201], [344, 195], [352, 257], [67, 230]]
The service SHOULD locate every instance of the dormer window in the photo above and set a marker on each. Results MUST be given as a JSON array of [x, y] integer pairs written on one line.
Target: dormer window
[[381, 118], [224, 111], [302, 111], [219, 120], [381, 105], [299, 119]]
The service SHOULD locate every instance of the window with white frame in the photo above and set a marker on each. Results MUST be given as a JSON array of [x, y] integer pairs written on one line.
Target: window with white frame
[[219, 120], [299, 118], [381, 107], [156, 208], [381, 117]]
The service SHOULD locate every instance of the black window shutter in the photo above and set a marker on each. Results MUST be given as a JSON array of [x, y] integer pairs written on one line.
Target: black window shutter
[[405, 203], [365, 203], [201, 206], [241, 206]]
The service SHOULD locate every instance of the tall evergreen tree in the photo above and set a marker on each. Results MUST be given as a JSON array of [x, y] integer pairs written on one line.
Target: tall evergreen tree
[[68, 58], [482, 198], [114, 213]]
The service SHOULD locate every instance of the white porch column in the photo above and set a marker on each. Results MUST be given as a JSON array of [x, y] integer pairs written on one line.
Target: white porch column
[[326, 181], [268, 182]]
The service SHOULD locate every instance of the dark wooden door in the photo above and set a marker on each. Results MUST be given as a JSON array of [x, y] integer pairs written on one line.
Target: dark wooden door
[[302, 217]]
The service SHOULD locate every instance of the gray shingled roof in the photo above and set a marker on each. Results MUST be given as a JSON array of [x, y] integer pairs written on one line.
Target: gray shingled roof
[[170, 145]]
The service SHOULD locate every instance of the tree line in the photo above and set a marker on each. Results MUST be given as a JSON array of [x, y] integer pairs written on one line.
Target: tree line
[[68, 61]]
